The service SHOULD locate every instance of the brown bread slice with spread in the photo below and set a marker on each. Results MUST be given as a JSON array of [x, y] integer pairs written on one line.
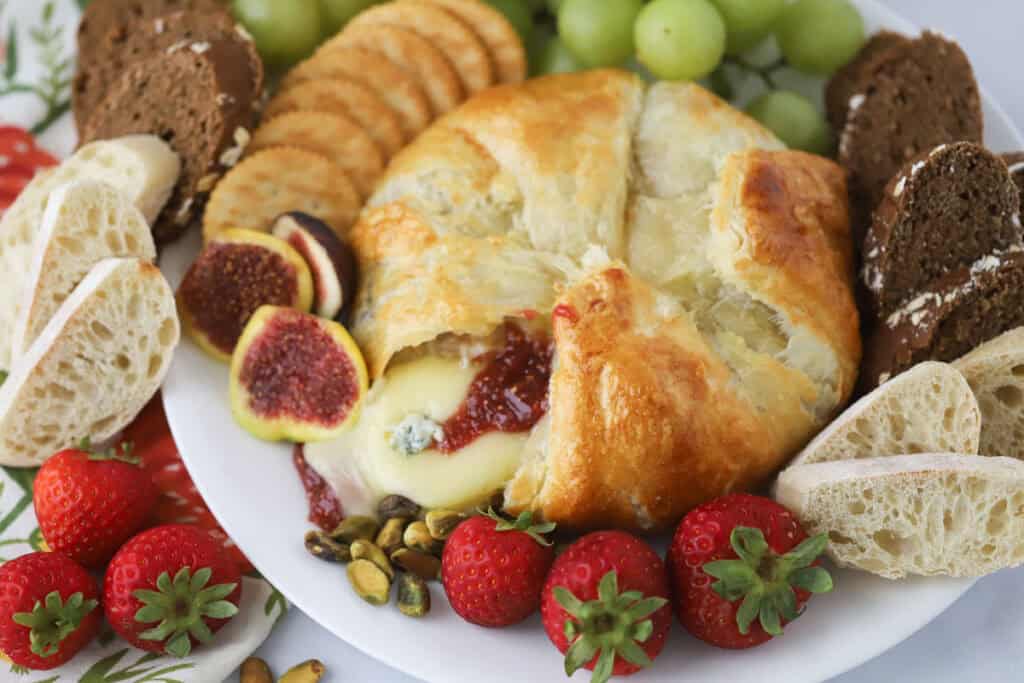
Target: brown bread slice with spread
[[854, 77], [198, 101], [191, 30], [1015, 163], [106, 24], [951, 318], [915, 96], [946, 209]]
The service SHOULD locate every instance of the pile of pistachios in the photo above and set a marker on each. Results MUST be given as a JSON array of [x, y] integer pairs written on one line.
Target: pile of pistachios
[[402, 545]]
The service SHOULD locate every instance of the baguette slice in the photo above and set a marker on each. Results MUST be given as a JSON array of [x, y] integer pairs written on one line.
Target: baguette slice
[[927, 514], [143, 167], [85, 222], [928, 409], [995, 371], [95, 365]]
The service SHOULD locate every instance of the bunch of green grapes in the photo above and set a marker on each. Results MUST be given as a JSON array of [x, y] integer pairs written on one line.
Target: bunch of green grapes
[[691, 39]]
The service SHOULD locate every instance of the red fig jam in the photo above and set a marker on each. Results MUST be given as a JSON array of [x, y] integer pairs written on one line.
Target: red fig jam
[[324, 507], [510, 393]]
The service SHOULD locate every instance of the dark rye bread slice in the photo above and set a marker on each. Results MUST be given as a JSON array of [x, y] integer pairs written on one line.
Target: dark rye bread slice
[[916, 96], [944, 210], [851, 79], [106, 23], [959, 313], [197, 102], [1015, 162], [193, 30]]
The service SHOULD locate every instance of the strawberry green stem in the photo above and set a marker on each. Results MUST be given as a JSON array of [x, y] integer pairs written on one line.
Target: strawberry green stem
[[180, 609], [766, 582], [52, 620]]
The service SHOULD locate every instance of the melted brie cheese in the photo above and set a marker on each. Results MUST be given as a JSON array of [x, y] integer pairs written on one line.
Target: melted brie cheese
[[362, 465]]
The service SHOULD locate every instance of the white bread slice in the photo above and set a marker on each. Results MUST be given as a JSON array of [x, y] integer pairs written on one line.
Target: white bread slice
[[97, 362], [85, 221], [924, 514], [143, 167], [995, 371], [928, 409]]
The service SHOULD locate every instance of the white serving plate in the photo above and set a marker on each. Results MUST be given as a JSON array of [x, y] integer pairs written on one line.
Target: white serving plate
[[253, 490]]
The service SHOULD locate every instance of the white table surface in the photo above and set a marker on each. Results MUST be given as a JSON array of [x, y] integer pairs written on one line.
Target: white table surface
[[981, 638]]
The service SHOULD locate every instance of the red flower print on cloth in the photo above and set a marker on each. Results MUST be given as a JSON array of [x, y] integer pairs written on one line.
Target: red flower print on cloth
[[20, 159]]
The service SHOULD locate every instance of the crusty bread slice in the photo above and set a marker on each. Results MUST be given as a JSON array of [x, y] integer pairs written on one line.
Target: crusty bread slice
[[95, 365], [143, 167], [84, 222], [927, 514], [995, 372], [928, 409]]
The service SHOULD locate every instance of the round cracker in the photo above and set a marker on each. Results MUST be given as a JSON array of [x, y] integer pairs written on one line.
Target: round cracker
[[413, 53], [332, 135], [343, 96], [277, 180], [495, 31], [394, 85], [450, 35]]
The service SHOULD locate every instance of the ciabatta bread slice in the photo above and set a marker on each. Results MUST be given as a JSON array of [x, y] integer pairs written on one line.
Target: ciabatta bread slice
[[925, 514], [928, 409], [143, 167], [95, 365], [85, 222], [995, 371]]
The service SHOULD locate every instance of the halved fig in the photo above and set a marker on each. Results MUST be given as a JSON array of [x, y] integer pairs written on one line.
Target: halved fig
[[237, 272], [296, 377], [329, 258]]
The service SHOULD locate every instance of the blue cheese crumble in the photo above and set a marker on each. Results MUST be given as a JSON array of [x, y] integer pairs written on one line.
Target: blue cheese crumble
[[415, 434]]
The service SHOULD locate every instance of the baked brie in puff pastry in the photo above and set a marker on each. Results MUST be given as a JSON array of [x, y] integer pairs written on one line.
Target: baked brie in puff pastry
[[612, 300]]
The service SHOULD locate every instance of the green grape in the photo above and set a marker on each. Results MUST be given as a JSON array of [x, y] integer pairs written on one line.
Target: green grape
[[747, 22], [794, 119], [819, 36], [680, 39], [599, 33], [285, 31], [557, 59], [554, 6], [337, 13], [517, 13]]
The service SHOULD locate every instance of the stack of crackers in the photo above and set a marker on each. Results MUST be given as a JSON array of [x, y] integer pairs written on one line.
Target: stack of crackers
[[342, 114]]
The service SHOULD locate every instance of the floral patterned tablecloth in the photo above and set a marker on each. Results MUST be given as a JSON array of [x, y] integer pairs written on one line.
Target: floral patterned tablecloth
[[36, 65]]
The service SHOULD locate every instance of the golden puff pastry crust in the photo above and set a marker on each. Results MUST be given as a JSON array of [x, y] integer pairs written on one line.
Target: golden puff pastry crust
[[697, 278]]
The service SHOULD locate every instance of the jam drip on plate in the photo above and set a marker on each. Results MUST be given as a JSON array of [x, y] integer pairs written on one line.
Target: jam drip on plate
[[324, 507], [510, 393]]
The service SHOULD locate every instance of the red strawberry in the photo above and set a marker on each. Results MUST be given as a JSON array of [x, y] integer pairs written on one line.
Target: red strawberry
[[171, 588], [493, 569], [20, 158], [179, 502], [88, 504], [764, 563], [47, 610], [606, 605]]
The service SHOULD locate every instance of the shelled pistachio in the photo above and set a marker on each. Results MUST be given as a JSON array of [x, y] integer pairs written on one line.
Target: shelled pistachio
[[425, 566], [390, 537], [322, 546], [417, 537], [413, 595], [369, 582], [309, 671], [441, 523], [364, 550], [355, 528], [391, 507]]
